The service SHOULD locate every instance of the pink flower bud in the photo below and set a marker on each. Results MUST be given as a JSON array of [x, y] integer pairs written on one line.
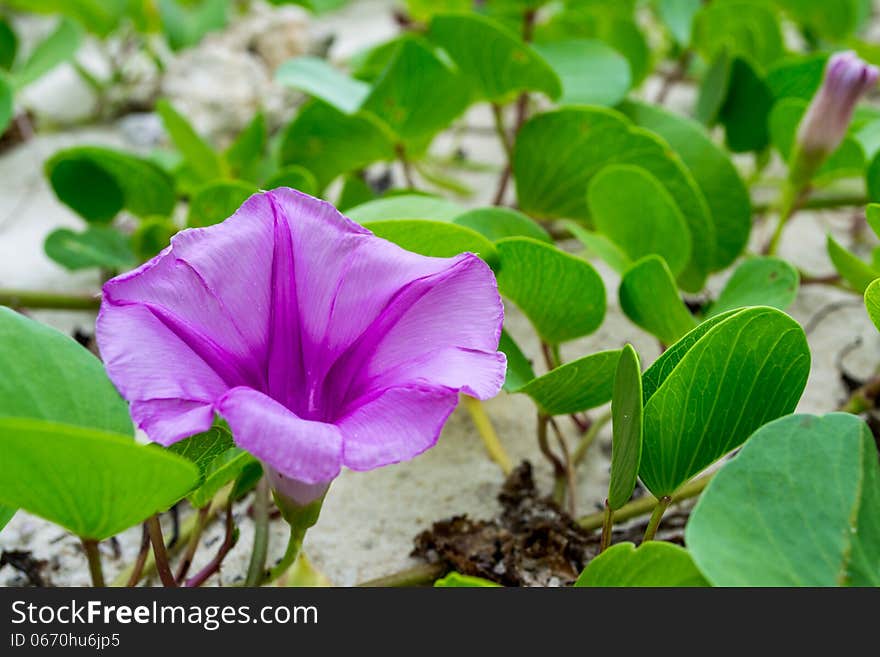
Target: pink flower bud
[[824, 125]]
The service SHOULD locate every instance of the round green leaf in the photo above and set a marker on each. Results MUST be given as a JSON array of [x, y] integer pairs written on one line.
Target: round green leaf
[[759, 281], [591, 72], [152, 236], [872, 302], [519, 367], [631, 207], [723, 188], [853, 269], [96, 246], [295, 177], [678, 15], [558, 153], [405, 206], [649, 297], [798, 506], [747, 28], [575, 386], [202, 159], [434, 238], [746, 370], [50, 376], [99, 182], [496, 223], [600, 246], [496, 63], [8, 45], [6, 514], [626, 424], [328, 142], [7, 107], [216, 201], [320, 79], [563, 296], [746, 108], [652, 564], [92, 483], [245, 155]]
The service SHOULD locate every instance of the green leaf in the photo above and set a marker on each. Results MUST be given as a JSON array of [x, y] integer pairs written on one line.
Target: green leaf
[[96, 246], [92, 483], [417, 95], [713, 171], [591, 72], [626, 418], [519, 367], [872, 179], [6, 514], [152, 236], [7, 104], [742, 28], [296, 177], [578, 385], [633, 209], [216, 201], [847, 160], [798, 506], [714, 88], [678, 15], [244, 155], [49, 376], [746, 370], [203, 448], [457, 580], [652, 564], [853, 269], [55, 49], [355, 191], [185, 23], [600, 246], [406, 206], [563, 296], [746, 108], [320, 79], [557, 154], [834, 20], [424, 10], [649, 297], [434, 238], [97, 183], [233, 464], [328, 142], [872, 302], [496, 63], [759, 281], [205, 163], [797, 76], [8, 45], [496, 223]]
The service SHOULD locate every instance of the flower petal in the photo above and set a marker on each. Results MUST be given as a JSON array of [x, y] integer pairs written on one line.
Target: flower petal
[[310, 452], [396, 425], [166, 421]]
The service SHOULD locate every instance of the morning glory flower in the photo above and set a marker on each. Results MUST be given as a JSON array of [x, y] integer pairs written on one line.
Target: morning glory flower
[[320, 344], [847, 79]]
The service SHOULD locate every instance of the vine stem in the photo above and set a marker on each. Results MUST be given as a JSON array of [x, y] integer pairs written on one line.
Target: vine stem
[[415, 576], [607, 528], [159, 552], [213, 566], [589, 437], [257, 566], [141, 558], [487, 433], [791, 202], [192, 544], [405, 165], [294, 546], [568, 479], [48, 300], [656, 516], [93, 554], [645, 504]]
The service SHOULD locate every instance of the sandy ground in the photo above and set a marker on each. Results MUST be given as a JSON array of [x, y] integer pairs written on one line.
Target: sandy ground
[[369, 519]]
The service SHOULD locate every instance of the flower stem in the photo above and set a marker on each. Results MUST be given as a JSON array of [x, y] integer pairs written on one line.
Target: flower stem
[[405, 165], [159, 552], [48, 300], [645, 504], [416, 576], [141, 558], [257, 567], [294, 546], [791, 200], [568, 479], [580, 451], [501, 130], [607, 528], [192, 544], [656, 516], [90, 546], [487, 433]]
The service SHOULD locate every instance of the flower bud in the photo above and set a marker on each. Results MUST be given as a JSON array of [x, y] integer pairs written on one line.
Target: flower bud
[[847, 79]]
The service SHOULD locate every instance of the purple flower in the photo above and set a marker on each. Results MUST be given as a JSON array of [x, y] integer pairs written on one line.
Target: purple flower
[[847, 79], [319, 343]]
